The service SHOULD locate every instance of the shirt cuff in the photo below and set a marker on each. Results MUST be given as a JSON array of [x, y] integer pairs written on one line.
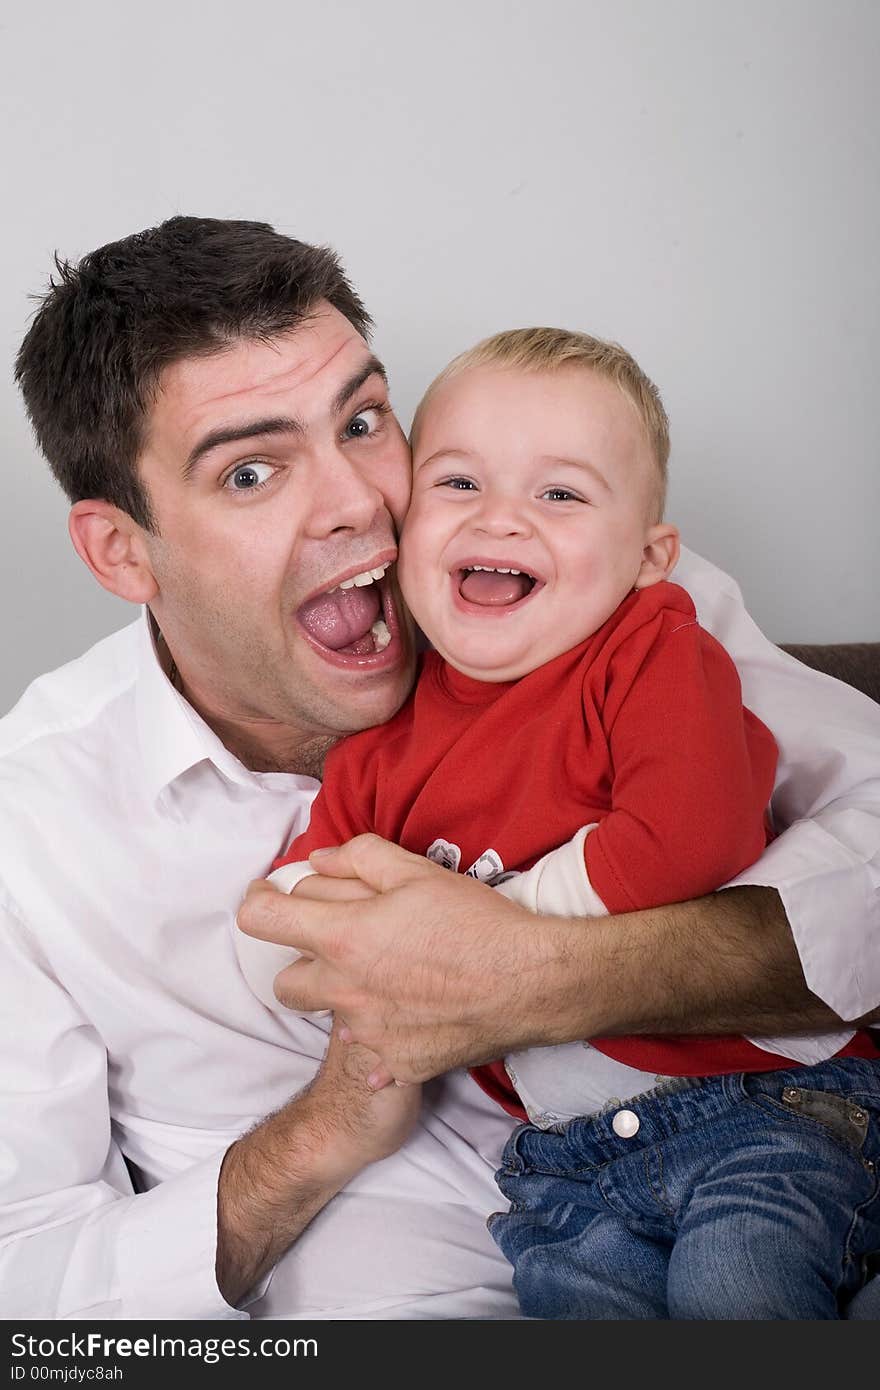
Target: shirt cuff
[[289, 875], [830, 889], [169, 1240], [558, 885]]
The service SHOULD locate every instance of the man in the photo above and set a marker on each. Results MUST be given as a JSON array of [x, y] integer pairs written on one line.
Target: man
[[205, 393]]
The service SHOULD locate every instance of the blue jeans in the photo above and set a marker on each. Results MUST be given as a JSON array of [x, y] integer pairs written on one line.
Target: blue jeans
[[735, 1197]]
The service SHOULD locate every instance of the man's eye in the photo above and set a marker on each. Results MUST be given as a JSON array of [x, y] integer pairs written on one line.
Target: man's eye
[[365, 423], [247, 477]]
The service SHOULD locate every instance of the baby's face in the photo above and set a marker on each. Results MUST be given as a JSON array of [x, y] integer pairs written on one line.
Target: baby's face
[[530, 516]]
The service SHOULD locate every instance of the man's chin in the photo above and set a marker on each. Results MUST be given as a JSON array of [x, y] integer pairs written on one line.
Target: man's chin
[[360, 698]]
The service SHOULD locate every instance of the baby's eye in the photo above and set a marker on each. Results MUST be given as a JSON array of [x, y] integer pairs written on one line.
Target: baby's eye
[[247, 477], [365, 423], [460, 484], [560, 494]]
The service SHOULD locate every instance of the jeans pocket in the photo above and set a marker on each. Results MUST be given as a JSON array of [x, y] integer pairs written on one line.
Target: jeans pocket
[[842, 1118]]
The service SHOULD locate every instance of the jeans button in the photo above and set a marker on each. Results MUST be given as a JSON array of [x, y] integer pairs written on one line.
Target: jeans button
[[792, 1095], [625, 1124]]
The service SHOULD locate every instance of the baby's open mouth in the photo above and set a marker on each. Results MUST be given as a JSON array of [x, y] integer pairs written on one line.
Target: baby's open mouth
[[494, 588], [353, 618]]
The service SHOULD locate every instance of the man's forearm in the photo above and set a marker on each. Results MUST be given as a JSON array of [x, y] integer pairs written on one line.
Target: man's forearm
[[277, 1178], [742, 964], [272, 1184], [726, 963], [436, 971]]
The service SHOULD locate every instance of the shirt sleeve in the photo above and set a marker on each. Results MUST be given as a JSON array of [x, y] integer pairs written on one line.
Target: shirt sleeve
[[826, 863], [75, 1239], [692, 770]]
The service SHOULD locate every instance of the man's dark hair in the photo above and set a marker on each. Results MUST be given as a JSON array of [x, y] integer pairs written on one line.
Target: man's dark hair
[[109, 326]]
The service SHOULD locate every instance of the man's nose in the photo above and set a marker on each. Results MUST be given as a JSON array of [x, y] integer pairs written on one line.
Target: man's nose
[[345, 498]]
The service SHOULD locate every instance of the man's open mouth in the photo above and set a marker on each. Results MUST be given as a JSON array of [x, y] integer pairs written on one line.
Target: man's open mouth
[[355, 621], [489, 586]]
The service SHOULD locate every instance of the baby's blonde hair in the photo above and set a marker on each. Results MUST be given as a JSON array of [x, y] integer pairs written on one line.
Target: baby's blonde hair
[[547, 350]]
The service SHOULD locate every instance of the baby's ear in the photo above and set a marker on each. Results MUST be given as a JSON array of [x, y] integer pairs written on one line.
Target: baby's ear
[[660, 555]]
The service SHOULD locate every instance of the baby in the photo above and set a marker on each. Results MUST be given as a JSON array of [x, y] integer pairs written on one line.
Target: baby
[[576, 740]]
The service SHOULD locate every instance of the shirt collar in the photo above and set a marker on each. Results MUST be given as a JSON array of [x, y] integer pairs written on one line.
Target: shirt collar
[[173, 736]]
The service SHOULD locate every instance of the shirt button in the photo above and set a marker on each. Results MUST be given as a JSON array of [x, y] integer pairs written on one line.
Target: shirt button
[[625, 1124]]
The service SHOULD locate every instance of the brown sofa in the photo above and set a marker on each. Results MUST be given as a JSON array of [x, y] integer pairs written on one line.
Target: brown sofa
[[857, 663]]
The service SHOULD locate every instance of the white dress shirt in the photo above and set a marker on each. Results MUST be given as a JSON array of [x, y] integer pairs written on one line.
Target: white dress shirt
[[127, 835]]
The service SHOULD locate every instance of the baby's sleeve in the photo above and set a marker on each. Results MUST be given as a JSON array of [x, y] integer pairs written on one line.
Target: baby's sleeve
[[693, 773]]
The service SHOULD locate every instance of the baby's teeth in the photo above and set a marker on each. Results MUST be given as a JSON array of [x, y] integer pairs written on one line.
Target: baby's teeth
[[381, 635], [501, 571], [377, 574], [362, 580], [348, 584]]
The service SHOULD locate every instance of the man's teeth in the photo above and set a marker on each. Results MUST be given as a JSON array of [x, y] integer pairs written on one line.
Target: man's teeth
[[381, 635], [362, 579]]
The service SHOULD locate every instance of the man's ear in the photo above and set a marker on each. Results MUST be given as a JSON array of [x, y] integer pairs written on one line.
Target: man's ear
[[113, 546], [660, 555]]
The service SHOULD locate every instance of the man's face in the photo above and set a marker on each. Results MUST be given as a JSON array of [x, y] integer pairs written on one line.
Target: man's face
[[531, 510], [276, 473]]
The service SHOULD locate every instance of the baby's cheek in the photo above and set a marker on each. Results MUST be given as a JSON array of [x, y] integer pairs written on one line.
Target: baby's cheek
[[410, 575]]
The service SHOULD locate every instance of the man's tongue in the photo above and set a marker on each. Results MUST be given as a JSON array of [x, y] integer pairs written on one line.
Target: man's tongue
[[342, 620], [492, 589]]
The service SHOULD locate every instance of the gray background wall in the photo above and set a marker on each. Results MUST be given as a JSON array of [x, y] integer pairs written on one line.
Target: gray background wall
[[696, 178]]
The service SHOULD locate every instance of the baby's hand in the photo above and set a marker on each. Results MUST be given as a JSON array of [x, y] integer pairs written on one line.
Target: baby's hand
[[261, 961]]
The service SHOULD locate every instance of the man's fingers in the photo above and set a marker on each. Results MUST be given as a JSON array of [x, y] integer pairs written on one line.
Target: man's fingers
[[298, 987], [321, 889], [289, 920], [379, 1078], [375, 861]]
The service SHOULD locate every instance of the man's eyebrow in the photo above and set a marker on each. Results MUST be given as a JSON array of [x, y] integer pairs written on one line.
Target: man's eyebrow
[[251, 429], [372, 367]]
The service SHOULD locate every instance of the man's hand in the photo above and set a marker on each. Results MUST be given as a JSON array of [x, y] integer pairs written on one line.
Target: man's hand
[[351, 1125], [438, 971], [322, 889], [431, 971], [278, 1177]]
